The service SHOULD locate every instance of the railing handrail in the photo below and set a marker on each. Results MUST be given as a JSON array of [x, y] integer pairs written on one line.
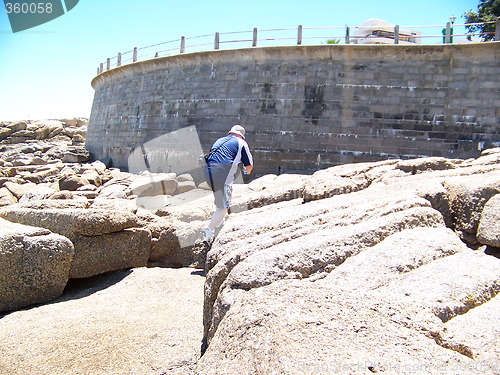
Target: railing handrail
[[447, 35]]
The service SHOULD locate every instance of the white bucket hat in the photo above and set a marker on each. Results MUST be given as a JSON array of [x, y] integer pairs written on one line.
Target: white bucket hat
[[238, 130]]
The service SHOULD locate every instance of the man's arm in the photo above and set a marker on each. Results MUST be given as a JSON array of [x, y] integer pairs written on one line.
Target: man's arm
[[248, 169], [246, 158]]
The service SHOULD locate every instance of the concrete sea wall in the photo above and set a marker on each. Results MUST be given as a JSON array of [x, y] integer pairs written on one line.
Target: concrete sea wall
[[307, 107]]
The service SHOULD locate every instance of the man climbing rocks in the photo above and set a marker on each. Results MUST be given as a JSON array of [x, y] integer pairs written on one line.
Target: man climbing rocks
[[224, 157]]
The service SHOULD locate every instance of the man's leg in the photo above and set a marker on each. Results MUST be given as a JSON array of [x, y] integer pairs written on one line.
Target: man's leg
[[215, 221], [217, 218], [222, 202]]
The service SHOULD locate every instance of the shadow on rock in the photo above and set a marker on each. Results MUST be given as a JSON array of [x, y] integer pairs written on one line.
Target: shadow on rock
[[80, 288], [493, 251]]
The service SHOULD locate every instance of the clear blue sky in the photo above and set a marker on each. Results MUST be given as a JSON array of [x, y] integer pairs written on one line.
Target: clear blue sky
[[45, 72]]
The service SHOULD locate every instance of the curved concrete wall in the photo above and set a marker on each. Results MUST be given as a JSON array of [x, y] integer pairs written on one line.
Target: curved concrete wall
[[308, 107]]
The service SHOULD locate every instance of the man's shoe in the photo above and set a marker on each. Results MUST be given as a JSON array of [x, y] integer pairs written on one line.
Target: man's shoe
[[207, 235]]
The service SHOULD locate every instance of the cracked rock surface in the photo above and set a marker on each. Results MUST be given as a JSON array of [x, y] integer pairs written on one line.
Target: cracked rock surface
[[378, 267]]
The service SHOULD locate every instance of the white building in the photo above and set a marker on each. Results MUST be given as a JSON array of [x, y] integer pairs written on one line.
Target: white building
[[375, 31]]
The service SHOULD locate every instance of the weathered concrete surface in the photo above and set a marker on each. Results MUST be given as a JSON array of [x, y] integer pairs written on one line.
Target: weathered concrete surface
[[142, 321], [307, 107]]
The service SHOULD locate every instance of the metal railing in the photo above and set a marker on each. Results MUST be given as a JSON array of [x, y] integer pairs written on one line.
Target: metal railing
[[290, 36]]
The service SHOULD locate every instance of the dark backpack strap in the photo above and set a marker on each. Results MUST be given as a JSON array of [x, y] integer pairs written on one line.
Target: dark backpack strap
[[214, 151]]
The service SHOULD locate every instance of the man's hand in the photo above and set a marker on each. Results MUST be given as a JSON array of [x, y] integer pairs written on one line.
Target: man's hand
[[248, 169]]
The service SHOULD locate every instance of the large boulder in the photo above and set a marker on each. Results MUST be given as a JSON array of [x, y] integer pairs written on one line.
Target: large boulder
[[68, 222], [152, 184], [46, 129], [180, 246], [398, 254], [93, 177], [6, 197], [104, 240], [359, 276], [477, 334], [17, 125], [18, 190], [95, 255], [20, 136], [419, 165], [304, 327], [114, 191], [163, 239], [344, 179], [39, 192], [73, 131], [41, 174], [114, 204], [176, 243], [467, 198], [295, 240], [8, 171], [76, 154], [26, 160], [388, 306], [488, 232], [267, 190], [50, 203], [5, 132], [196, 204], [185, 186], [34, 265], [72, 182]]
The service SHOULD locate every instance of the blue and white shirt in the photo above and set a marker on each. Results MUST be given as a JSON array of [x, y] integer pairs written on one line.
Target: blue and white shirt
[[232, 152]]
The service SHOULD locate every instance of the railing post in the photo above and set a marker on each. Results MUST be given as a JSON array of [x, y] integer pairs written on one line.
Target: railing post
[[98, 71], [108, 63], [347, 35], [447, 35], [396, 34], [134, 58], [183, 44], [216, 41], [497, 29], [254, 41], [101, 68], [119, 59], [299, 35]]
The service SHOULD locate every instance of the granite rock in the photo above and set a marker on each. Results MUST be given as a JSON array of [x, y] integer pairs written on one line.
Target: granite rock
[[34, 265], [488, 232]]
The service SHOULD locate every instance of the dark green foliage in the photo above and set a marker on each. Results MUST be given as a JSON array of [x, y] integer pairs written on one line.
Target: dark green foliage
[[487, 10]]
